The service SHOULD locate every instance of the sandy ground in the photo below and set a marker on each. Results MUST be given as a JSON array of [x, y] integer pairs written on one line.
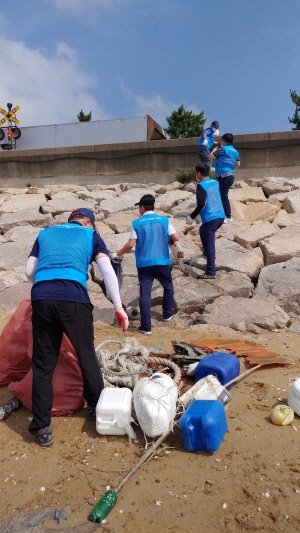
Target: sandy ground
[[251, 483]]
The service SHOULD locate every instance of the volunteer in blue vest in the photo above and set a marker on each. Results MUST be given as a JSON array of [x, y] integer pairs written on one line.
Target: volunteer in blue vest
[[151, 233], [58, 268], [206, 142], [210, 208], [228, 159]]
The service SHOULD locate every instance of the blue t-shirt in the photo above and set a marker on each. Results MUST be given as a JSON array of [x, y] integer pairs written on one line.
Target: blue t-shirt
[[210, 137], [64, 289]]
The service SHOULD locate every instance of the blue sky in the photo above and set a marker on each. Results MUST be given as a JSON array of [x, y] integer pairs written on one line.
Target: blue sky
[[236, 60]]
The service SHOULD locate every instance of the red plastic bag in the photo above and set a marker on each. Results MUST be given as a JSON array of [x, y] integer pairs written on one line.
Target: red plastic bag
[[16, 345], [67, 384], [15, 365]]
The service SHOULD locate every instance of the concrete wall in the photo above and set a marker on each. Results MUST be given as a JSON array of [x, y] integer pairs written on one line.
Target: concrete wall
[[263, 154]]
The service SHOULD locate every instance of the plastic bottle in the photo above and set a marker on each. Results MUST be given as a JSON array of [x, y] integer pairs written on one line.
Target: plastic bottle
[[103, 507]]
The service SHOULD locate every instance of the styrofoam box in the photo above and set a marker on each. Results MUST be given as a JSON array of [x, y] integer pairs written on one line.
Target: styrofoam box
[[294, 396], [114, 405]]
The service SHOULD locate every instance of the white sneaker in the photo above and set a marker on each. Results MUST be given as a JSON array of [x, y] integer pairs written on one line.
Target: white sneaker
[[227, 220]]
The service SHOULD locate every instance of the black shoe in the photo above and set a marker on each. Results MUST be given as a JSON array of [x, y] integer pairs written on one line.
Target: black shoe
[[44, 436], [172, 316], [90, 413], [140, 330]]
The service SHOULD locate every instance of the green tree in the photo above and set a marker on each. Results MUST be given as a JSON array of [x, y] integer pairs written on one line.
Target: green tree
[[184, 124], [296, 118], [84, 118]]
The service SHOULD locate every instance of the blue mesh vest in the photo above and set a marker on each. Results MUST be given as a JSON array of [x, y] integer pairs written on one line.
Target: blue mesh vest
[[152, 245], [227, 162], [64, 253], [213, 207]]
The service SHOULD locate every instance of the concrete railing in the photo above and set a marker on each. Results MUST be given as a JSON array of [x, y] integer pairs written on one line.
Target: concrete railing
[[262, 155]]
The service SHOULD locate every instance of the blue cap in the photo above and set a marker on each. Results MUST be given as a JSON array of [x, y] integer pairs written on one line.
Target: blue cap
[[83, 212]]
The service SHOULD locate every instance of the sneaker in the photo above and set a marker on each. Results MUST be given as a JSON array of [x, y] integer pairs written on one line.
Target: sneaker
[[44, 436], [227, 220], [170, 317], [206, 276], [140, 330], [90, 413]]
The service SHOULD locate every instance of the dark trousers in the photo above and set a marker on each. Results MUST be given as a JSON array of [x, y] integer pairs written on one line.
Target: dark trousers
[[146, 277], [203, 154], [207, 232], [225, 184], [50, 319]]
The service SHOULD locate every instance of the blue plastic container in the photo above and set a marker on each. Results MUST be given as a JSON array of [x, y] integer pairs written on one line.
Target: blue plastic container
[[203, 425], [225, 366]]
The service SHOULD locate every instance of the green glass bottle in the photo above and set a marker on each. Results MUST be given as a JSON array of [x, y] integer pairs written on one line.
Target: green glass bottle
[[103, 507]]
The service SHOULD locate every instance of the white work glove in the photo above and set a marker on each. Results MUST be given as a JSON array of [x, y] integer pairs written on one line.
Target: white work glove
[[189, 220], [114, 255], [122, 318]]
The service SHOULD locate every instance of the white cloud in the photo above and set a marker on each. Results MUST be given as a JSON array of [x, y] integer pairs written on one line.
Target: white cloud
[[49, 90], [156, 106]]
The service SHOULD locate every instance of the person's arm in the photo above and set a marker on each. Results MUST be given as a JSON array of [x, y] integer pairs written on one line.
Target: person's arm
[[238, 164], [111, 283], [201, 201], [174, 237], [32, 262], [217, 152], [127, 247], [30, 268]]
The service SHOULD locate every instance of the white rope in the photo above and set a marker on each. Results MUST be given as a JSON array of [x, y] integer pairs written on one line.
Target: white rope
[[131, 359]]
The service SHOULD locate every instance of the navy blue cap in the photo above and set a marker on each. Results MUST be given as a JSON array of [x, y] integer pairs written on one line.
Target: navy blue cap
[[83, 212]]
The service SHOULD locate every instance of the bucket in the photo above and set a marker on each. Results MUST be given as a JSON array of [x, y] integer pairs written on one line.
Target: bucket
[[113, 411]]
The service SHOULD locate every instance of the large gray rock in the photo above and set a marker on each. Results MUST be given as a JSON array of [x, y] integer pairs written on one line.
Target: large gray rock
[[115, 241], [247, 194], [245, 314], [97, 196], [8, 278], [193, 294], [22, 202], [251, 237], [66, 204], [22, 218], [284, 219], [13, 295], [260, 211], [280, 248], [233, 284], [292, 204], [232, 257], [121, 222], [280, 283], [166, 201], [124, 201], [24, 237], [274, 188], [12, 256], [295, 327]]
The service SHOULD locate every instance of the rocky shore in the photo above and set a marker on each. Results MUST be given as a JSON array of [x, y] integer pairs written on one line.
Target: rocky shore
[[258, 254]]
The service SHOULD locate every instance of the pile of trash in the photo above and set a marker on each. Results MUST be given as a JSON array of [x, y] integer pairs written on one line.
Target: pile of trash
[[145, 387]]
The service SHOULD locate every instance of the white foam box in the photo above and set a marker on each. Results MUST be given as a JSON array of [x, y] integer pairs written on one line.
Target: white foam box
[[114, 406]]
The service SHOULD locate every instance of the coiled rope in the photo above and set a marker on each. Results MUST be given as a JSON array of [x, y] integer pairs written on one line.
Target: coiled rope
[[132, 359]]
